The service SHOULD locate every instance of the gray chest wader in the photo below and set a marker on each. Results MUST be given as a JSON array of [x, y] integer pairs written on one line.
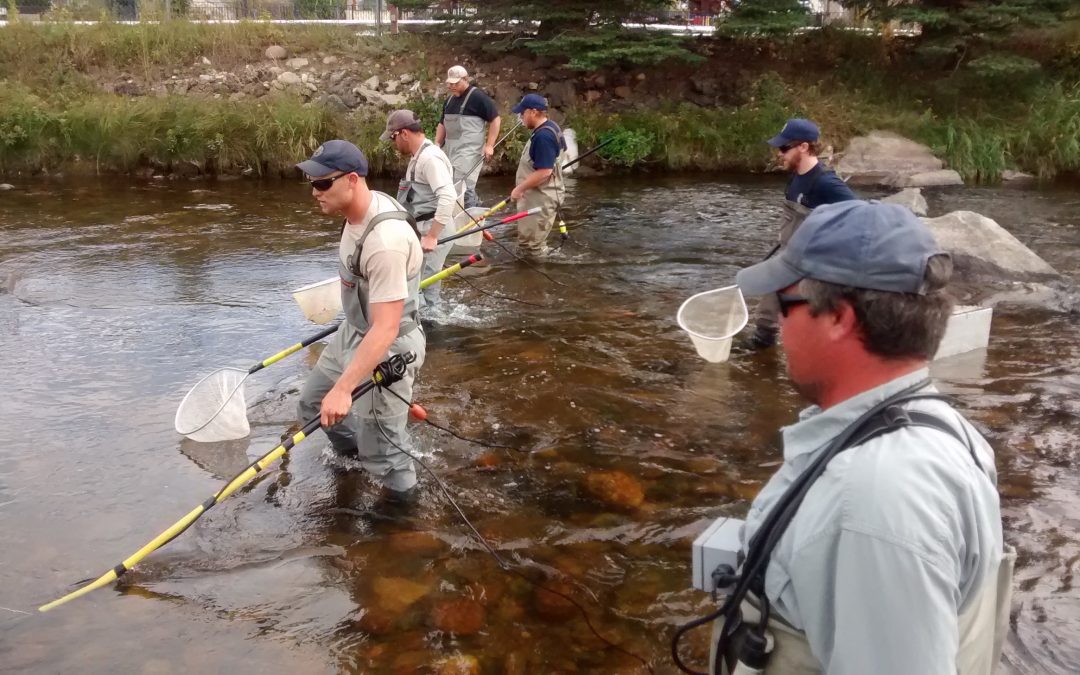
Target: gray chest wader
[[767, 314], [982, 625], [532, 231], [376, 420], [464, 145], [420, 200]]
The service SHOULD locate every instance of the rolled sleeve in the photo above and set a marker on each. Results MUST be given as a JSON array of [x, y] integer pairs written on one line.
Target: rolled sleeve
[[440, 177]]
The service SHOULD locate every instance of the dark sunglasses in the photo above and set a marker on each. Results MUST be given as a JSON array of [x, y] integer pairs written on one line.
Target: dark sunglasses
[[323, 184], [789, 300], [783, 149]]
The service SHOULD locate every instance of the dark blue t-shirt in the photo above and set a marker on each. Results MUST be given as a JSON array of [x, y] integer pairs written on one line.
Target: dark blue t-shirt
[[480, 105], [546, 145], [818, 186]]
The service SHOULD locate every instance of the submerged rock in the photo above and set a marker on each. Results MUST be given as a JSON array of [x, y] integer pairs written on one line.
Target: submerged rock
[[615, 488], [398, 593], [554, 604], [461, 664], [460, 616]]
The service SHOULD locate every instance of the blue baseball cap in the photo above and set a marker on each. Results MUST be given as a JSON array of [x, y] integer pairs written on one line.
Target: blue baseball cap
[[530, 102], [869, 245], [334, 156], [795, 130]]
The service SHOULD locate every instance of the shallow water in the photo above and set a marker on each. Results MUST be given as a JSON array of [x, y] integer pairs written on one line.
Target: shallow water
[[116, 297]]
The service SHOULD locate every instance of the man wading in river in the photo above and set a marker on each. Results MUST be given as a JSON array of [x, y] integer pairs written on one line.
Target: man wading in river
[[811, 185], [379, 260], [893, 562], [539, 175], [461, 130], [426, 191]]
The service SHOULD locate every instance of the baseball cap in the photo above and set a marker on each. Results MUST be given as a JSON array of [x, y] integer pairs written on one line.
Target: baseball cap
[[868, 245], [530, 102], [398, 120], [795, 130], [455, 74], [336, 155]]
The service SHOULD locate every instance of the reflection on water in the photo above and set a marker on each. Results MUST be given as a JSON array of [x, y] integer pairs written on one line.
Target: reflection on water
[[114, 301]]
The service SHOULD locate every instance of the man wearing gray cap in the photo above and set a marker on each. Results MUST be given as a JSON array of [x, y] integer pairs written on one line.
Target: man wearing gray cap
[[811, 184], [461, 130], [379, 260], [877, 546], [427, 191]]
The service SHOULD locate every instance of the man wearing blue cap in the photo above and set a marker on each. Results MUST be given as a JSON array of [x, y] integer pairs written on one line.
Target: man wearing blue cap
[[810, 186], [539, 175], [379, 261], [889, 558]]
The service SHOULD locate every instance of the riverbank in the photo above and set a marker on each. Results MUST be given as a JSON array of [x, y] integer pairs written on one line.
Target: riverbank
[[185, 99]]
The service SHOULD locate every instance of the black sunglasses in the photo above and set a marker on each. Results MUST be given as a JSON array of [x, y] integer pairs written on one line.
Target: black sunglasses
[[783, 149], [789, 300], [323, 184]]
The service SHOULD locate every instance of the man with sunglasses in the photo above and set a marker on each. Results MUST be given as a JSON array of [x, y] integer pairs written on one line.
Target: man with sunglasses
[[811, 185], [427, 192], [379, 261], [893, 561]]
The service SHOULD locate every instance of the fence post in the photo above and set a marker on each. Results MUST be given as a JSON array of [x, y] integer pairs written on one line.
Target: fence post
[[378, 17]]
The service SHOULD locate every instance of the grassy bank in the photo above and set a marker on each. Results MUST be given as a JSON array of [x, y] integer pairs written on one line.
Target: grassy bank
[[55, 115]]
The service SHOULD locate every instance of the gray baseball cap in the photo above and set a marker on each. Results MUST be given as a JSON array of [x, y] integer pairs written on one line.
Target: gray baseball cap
[[869, 245], [334, 156], [398, 120]]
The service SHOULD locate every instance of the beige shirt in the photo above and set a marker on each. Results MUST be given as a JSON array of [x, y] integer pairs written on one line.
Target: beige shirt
[[391, 255], [432, 166]]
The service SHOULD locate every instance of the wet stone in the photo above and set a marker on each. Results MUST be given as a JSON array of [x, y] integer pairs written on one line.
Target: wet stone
[[460, 616], [554, 604], [416, 543], [615, 488], [462, 664], [397, 594]]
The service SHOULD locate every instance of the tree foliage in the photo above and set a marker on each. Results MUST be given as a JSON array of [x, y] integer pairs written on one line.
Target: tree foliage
[[765, 18]]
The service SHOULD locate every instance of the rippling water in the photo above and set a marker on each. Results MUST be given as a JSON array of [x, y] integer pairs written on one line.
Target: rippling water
[[116, 297]]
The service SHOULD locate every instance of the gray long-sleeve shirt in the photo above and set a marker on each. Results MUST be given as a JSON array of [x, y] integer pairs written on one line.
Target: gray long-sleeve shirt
[[891, 542]]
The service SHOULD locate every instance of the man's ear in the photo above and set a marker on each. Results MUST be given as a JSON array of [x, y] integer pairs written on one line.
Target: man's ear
[[844, 322]]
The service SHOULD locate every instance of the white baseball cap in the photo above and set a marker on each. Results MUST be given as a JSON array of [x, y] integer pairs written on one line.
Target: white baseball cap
[[455, 74]]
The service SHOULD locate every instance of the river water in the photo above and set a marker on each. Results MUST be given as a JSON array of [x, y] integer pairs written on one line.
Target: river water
[[117, 295]]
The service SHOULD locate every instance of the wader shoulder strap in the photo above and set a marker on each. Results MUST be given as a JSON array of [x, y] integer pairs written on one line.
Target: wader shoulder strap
[[895, 417], [410, 175], [387, 215]]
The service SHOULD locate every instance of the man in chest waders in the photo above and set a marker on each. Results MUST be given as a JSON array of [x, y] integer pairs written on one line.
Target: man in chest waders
[[893, 561], [379, 261], [427, 192], [539, 180], [811, 184], [461, 130]]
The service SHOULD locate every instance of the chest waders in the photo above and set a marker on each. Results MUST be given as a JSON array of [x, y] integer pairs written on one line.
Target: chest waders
[[420, 200], [532, 232], [464, 145], [747, 640], [358, 436]]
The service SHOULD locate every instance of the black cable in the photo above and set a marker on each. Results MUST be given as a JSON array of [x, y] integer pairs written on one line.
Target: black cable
[[502, 563], [499, 296], [530, 265], [457, 435]]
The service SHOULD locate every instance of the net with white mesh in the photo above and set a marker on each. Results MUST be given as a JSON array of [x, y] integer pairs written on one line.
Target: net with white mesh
[[470, 218], [215, 409], [712, 319]]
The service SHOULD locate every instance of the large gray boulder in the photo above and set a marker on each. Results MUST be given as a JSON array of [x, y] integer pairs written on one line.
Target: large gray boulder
[[982, 249], [885, 158]]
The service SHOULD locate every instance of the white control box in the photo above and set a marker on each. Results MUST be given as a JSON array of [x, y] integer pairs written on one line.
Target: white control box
[[718, 545]]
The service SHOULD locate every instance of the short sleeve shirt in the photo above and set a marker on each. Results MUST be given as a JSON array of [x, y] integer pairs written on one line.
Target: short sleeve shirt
[[546, 145], [391, 255], [818, 186], [479, 105]]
